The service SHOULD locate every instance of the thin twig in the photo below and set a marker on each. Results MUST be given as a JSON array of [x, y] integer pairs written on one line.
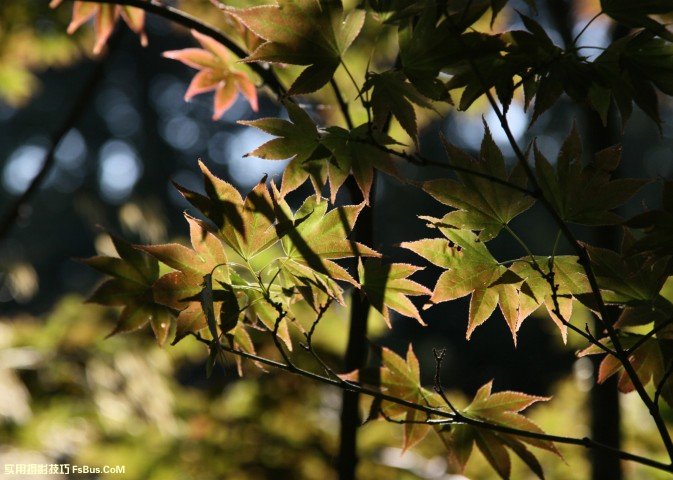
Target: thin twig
[[309, 341], [662, 382], [449, 416], [439, 357], [343, 106], [186, 20], [418, 159]]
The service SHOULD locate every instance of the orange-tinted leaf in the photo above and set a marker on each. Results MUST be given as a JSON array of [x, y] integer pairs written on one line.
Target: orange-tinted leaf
[[217, 71], [105, 18]]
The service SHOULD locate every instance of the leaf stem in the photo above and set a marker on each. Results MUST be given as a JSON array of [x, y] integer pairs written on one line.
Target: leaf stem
[[342, 104], [584, 29]]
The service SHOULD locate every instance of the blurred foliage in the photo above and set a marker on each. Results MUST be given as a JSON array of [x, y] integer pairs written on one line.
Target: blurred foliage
[[69, 396], [31, 39]]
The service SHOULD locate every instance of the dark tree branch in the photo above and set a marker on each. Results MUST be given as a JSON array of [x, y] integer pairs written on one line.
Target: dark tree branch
[[188, 21], [581, 252], [13, 212], [448, 417], [439, 358]]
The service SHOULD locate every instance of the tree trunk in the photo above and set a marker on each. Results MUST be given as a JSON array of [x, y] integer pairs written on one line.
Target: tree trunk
[[356, 351]]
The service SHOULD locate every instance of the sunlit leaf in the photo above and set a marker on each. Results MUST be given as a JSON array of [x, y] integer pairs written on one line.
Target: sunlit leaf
[[470, 270], [217, 72], [481, 204], [584, 194], [501, 408], [304, 32], [387, 287]]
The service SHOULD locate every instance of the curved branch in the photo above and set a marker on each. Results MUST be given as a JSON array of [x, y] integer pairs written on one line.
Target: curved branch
[[584, 259], [418, 159], [77, 110], [188, 21], [450, 417]]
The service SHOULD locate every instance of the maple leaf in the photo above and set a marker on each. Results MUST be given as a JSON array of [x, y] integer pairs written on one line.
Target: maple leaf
[[480, 203], [246, 225], [180, 289], [584, 194], [400, 377], [331, 154], [428, 44], [133, 275], [627, 280], [470, 270], [215, 64], [650, 361], [387, 287], [393, 95], [105, 17], [312, 238], [299, 140], [501, 408], [569, 278], [353, 153], [303, 32]]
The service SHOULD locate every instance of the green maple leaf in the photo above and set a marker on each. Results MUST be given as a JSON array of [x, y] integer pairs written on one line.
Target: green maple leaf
[[569, 277], [298, 140], [501, 408], [332, 155], [393, 95], [133, 275], [630, 69], [303, 32], [181, 288], [387, 287], [353, 154], [313, 238], [627, 280], [246, 225], [584, 194], [429, 44], [470, 270], [480, 203], [400, 377]]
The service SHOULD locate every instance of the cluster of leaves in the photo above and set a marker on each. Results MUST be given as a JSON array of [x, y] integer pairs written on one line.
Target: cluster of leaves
[[206, 281], [221, 286], [105, 18], [400, 377]]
